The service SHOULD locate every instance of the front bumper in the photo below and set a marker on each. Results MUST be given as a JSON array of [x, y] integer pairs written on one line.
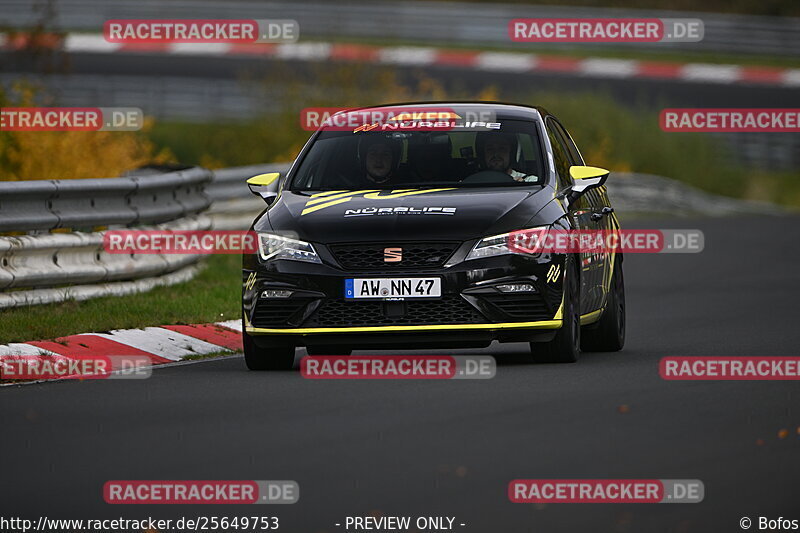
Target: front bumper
[[470, 310]]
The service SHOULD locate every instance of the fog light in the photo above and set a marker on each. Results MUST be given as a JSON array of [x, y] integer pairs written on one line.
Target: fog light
[[276, 294], [516, 287]]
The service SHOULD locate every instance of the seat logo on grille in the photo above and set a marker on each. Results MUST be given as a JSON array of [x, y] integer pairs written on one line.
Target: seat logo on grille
[[392, 255]]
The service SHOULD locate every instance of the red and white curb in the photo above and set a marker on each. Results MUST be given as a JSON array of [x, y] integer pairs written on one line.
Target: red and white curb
[[426, 56], [163, 344]]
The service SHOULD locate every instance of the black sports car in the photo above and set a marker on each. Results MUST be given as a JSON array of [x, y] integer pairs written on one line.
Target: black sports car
[[388, 236]]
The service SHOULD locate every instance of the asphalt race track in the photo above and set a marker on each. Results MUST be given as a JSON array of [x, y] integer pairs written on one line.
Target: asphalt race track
[[450, 448]]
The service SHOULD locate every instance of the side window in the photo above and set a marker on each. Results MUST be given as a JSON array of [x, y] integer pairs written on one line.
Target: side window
[[572, 150], [560, 157]]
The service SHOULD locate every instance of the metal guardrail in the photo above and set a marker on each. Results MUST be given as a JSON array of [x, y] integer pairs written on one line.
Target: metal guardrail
[[417, 21], [79, 258], [632, 192], [88, 203], [42, 267]]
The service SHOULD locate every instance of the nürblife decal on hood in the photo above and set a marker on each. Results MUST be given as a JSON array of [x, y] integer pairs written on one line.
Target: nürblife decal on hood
[[330, 198]]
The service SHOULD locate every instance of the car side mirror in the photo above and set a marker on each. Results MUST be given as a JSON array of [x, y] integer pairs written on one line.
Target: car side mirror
[[586, 178], [265, 186]]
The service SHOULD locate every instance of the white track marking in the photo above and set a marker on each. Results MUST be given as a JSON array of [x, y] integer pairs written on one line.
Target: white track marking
[[19, 348], [506, 61], [791, 77], [305, 51], [609, 68], [200, 49], [231, 324], [407, 55], [89, 43], [709, 72]]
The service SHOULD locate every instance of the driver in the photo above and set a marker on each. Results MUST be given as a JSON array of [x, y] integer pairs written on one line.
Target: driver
[[379, 157], [495, 151]]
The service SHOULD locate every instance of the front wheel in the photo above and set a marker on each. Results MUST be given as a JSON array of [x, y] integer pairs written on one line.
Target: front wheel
[[608, 335], [278, 357], [566, 345]]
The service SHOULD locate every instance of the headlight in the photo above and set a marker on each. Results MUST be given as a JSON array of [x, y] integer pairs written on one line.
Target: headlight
[[522, 242], [277, 247]]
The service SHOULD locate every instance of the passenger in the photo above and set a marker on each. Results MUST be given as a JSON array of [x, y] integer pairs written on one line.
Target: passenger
[[495, 151]]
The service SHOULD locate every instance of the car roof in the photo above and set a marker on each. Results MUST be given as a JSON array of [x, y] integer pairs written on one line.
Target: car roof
[[502, 111]]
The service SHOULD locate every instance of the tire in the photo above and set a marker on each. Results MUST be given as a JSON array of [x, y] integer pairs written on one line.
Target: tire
[[278, 357], [608, 335], [328, 350], [566, 345]]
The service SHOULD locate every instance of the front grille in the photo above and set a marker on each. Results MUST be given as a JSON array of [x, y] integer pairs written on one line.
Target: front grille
[[278, 312], [522, 307], [451, 309], [369, 256]]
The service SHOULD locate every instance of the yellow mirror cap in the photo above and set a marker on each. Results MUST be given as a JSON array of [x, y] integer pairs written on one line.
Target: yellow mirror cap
[[264, 179], [580, 173]]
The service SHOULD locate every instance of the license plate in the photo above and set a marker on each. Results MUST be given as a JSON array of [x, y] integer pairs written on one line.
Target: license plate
[[356, 288]]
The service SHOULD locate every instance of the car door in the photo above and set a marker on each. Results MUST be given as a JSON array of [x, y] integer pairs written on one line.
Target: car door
[[580, 211], [601, 218]]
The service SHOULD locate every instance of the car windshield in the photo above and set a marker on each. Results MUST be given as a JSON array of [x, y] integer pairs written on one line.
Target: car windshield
[[350, 160]]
